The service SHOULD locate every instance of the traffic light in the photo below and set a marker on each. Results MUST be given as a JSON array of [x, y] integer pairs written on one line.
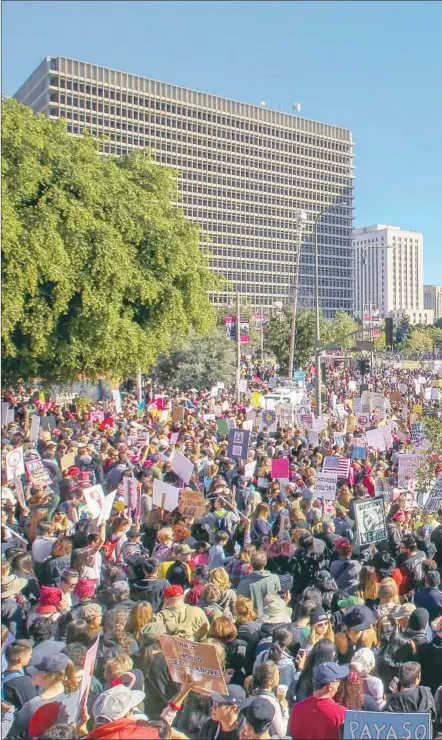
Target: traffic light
[[364, 366], [389, 339]]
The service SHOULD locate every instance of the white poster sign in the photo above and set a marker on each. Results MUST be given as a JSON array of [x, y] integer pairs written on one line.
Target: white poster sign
[[325, 485], [15, 464], [182, 466], [35, 427], [164, 495], [375, 438], [94, 497]]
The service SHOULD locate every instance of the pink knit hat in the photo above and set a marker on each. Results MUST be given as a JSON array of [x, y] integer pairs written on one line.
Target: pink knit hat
[[85, 588]]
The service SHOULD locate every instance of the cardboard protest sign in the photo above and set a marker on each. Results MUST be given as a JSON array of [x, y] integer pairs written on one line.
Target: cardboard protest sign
[[107, 507], [223, 427], [434, 501], [196, 659], [375, 439], [238, 446], [48, 423], [182, 466], [37, 472], [94, 497], [280, 467], [325, 485], [15, 464], [392, 725], [370, 520], [35, 427], [164, 495], [192, 503], [178, 414], [67, 461], [88, 672]]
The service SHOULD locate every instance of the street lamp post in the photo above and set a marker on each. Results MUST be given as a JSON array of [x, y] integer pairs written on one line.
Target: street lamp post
[[301, 218]]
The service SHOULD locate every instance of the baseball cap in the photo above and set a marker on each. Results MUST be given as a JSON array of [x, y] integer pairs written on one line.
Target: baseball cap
[[171, 591], [235, 695], [49, 664], [328, 672], [115, 703], [259, 714]]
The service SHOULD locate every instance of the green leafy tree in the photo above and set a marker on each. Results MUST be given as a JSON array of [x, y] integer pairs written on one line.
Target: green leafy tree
[[277, 337], [430, 459], [100, 268], [338, 330], [198, 363], [419, 339]]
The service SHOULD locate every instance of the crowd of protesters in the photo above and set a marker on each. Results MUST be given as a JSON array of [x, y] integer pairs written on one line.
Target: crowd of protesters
[[306, 622]]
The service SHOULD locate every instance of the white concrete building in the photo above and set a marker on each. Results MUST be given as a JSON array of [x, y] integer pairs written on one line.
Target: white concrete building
[[433, 299], [389, 273]]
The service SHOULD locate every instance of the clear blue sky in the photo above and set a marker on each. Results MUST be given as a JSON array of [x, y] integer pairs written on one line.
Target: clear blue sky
[[373, 67]]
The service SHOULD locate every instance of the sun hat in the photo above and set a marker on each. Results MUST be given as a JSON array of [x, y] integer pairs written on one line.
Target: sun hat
[[326, 673], [183, 550], [275, 610], [53, 663], [172, 591], [115, 703], [235, 695], [359, 618], [404, 610], [12, 585]]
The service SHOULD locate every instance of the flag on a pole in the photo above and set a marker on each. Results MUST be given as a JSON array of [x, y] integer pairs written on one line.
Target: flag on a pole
[[341, 464]]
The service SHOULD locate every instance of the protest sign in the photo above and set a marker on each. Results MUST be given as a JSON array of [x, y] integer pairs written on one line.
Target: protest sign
[[363, 420], [273, 382], [223, 427], [256, 400], [37, 472], [238, 446], [269, 420], [388, 439], [21, 541], [299, 376], [131, 492], [198, 660], [19, 491], [263, 483], [340, 410], [94, 497], [248, 425], [435, 394], [231, 423], [107, 507], [243, 385], [383, 488], [177, 414], [192, 503], [5, 408], [358, 453], [164, 495], [283, 483], [375, 439], [35, 427], [88, 672], [116, 397], [280, 467], [427, 394], [249, 469], [434, 501], [67, 461], [396, 397], [407, 464], [313, 438], [306, 421], [14, 463], [318, 425], [325, 485], [48, 423], [357, 405], [338, 439], [370, 520], [174, 438], [417, 433], [182, 466], [285, 412], [382, 725]]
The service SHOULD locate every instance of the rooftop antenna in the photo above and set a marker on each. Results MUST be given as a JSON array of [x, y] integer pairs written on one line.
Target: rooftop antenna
[[296, 107]]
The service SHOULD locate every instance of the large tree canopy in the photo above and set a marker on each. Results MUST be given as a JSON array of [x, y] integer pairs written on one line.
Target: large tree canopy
[[100, 268]]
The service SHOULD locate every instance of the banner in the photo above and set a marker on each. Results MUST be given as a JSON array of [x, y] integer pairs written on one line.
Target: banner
[[192, 503], [238, 446], [230, 323], [325, 485], [392, 725], [182, 466], [164, 495], [37, 472], [196, 659], [370, 520]]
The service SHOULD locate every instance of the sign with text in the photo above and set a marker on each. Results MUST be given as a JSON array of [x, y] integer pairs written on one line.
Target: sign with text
[[387, 725], [434, 501], [280, 467], [185, 658], [407, 464], [269, 420], [14, 463], [284, 412], [370, 520], [177, 414], [238, 446], [192, 503], [35, 427], [325, 485], [37, 472]]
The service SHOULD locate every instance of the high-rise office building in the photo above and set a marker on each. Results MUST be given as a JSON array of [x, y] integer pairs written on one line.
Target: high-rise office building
[[433, 299], [244, 173], [390, 262]]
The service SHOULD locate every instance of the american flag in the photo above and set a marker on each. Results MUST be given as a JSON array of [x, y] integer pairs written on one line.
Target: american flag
[[341, 464], [306, 420]]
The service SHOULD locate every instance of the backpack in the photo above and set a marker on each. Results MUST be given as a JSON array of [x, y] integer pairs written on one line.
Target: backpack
[[7, 677], [182, 627], [224, 524]]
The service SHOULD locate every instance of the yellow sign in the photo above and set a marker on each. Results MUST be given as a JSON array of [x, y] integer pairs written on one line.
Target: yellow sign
[[256, 400], [417, 409]]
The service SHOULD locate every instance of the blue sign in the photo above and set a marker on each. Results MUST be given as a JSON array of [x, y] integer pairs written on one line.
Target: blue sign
[[299, 375], [358, 453], [386, 726], [238, 444]]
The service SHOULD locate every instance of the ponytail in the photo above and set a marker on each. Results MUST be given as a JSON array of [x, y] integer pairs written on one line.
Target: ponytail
[[69, 678]]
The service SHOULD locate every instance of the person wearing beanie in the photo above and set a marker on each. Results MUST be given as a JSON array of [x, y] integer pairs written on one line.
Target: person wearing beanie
[[417, 629], [50, 605], [180, 619]]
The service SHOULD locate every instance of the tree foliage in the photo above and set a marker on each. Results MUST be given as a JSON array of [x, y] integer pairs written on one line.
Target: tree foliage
[[199, 363], [99, 269], [419, 339], [430, 459]]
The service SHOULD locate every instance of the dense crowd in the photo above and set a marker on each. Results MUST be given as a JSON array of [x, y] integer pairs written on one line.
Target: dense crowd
[[305, 621]]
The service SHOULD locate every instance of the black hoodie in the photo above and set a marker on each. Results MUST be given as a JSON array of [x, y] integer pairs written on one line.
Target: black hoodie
[[417, 699], [144, 589]]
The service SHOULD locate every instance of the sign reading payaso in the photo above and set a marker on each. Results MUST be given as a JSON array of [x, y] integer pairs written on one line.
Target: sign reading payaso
[[386, 726]]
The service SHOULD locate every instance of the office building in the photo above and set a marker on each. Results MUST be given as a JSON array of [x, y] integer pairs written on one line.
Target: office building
[[433, 299], [392, 273], [245, 171]]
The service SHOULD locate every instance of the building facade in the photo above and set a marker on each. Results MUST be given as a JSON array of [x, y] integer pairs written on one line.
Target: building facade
[[244, 172], [389, 261], [433, 299]]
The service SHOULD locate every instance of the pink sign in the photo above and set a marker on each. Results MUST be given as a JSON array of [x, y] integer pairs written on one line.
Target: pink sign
[[280, 467]]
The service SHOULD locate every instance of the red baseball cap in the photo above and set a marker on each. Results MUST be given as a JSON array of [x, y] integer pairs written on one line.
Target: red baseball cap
[[171, 591]]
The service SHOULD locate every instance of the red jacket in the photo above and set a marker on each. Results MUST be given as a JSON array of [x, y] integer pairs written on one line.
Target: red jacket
[[123, 729]]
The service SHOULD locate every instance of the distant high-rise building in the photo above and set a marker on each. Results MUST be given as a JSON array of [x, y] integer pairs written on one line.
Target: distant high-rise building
[[433, 299], [245, 171], [392, 274]]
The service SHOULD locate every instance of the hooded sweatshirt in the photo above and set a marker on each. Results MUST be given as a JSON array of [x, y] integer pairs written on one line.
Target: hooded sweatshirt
[[417, 699]]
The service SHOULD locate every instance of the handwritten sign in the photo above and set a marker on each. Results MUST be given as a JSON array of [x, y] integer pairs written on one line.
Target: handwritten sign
[[280, 467], [192, 503], [382, 725], [37, 472], [325, 485], [407, 464], [370, 520], [14, 463], [195, 659]]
